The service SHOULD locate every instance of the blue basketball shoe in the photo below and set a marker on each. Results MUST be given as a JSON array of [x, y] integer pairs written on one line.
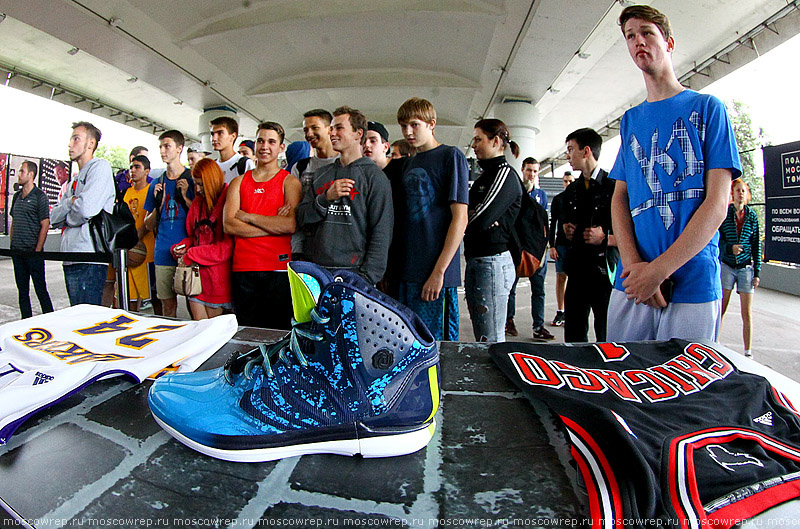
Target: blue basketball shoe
[[357, 374]]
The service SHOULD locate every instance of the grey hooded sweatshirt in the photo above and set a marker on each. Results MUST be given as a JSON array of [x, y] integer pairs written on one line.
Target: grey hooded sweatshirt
[[351, 233]]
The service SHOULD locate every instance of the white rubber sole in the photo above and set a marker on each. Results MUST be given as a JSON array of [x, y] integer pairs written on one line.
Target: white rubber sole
[[381, 446]]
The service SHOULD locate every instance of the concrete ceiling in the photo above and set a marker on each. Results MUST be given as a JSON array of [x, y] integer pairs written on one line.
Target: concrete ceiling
[[159, 64]]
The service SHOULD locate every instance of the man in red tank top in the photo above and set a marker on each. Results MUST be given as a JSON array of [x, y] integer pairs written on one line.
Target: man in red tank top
[[260, 214]]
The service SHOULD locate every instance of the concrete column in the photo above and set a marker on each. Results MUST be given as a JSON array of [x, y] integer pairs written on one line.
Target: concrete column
[[523, 121], [203, 127]]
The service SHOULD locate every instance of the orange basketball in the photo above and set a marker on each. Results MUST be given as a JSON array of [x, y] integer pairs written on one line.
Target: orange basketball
[[137, 255]]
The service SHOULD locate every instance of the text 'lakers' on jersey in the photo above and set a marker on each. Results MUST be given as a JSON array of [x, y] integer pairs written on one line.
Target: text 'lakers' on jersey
[[47, 357], [669, 431]]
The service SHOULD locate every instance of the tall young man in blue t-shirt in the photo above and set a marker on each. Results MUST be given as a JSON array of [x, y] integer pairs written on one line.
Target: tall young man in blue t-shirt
[[431, 214], [673, 173], [168, 200]]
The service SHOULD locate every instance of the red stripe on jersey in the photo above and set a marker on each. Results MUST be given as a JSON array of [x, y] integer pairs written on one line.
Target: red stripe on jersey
[[726, 435], [592, 488], [613, 486]]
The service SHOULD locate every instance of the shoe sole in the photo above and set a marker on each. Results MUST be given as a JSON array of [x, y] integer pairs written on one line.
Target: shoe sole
[[369, 447]]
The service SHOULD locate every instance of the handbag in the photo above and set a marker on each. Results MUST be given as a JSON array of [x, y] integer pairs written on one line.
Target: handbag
[[187, 280], [115, 230], [528, 264]]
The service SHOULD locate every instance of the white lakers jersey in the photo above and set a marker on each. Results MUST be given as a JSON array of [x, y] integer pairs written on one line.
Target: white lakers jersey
[[45, 358]]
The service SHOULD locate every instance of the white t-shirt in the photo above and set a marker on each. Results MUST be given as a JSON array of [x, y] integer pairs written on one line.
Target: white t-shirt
[[229, 167]]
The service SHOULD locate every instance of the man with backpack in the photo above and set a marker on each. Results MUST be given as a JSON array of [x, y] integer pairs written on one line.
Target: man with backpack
[[88, 192], [168, 200], [530, 181], [224, 131]]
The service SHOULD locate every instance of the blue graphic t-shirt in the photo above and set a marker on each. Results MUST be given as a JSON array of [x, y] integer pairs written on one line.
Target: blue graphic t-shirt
[[172, 222], [667, 147], [432, 180]]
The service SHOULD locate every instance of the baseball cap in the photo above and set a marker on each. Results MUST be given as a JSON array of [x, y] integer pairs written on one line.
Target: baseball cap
[[198, 147], [379, 128], [248, 143]]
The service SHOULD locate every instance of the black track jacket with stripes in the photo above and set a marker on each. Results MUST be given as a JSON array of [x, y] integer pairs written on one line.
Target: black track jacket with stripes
[[494, 202]]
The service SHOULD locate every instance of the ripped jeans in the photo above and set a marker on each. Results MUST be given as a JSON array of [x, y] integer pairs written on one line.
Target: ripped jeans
[[487, 282]]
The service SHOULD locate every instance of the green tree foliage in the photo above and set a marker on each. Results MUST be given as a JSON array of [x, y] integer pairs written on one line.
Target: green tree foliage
[[750, 142], [115, 155]]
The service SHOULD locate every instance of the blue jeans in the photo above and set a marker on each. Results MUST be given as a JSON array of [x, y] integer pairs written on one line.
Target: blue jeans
[[487, 283], [85, 283], [537, 297]]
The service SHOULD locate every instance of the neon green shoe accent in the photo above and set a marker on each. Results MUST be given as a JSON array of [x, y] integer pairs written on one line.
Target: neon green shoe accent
[[433, 382], [305, 292]]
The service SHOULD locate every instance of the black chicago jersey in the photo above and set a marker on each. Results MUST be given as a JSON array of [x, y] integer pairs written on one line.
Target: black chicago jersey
[[667, 431]]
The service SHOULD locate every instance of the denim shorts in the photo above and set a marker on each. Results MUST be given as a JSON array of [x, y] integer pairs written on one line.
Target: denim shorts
[[741, 277], [562, 253]]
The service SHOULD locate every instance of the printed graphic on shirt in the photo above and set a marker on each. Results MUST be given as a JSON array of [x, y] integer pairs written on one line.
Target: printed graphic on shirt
[[671, 160], [420, 192]]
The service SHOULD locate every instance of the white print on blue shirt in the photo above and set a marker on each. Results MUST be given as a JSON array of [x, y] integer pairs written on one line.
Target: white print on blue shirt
[[693, 166]]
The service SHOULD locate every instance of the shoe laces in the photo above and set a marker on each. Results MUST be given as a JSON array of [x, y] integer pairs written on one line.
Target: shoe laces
[[283, 350]]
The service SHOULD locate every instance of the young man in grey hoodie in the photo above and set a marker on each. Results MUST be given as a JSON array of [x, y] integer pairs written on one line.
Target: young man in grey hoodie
[[90, 191], [348, 208]]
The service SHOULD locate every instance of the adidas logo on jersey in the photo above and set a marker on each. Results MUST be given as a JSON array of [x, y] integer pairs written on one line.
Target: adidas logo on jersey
[[41, 378], [765, 419]]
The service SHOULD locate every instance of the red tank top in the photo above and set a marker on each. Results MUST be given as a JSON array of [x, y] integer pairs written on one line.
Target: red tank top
[[271, 252]]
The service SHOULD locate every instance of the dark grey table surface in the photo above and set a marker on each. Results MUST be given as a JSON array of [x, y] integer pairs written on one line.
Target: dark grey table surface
[[99, 459]]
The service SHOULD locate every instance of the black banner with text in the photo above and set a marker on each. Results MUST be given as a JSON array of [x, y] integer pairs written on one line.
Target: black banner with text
[[782, 193]]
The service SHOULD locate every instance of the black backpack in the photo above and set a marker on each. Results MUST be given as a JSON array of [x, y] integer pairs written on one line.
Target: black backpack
[[241, 165], [530, 231], [115, 230]]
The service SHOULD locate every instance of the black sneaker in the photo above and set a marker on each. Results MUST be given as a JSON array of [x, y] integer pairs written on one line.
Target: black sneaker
[[542, 334], [558, 321]]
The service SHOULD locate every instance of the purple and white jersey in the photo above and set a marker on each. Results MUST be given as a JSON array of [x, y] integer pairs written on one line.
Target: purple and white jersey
[[45, 358]]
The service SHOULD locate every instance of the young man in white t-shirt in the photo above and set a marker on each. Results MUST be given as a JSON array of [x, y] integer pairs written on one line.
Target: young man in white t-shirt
[[224, 131]]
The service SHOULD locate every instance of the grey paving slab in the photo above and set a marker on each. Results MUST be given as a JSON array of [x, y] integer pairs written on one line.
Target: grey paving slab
[[179, 487], [398, 480], [499, 462], [50, 468], [115, 413]]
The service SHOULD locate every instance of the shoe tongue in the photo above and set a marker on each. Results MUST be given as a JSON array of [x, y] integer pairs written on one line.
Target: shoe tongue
[[306, 281]]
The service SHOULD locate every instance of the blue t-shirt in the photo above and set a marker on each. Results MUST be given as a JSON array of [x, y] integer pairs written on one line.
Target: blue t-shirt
[[667, 148], [540, 196], [172, 222], [432, 180]]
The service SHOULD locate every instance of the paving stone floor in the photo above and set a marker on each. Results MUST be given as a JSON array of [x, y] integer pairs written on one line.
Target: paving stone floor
[[98, 458]]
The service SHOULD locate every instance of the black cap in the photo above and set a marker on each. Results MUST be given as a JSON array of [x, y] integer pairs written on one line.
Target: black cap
[[379, 128]]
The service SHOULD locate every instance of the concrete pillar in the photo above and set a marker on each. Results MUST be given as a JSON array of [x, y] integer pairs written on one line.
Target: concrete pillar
[[203, 127], [523, 121]]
